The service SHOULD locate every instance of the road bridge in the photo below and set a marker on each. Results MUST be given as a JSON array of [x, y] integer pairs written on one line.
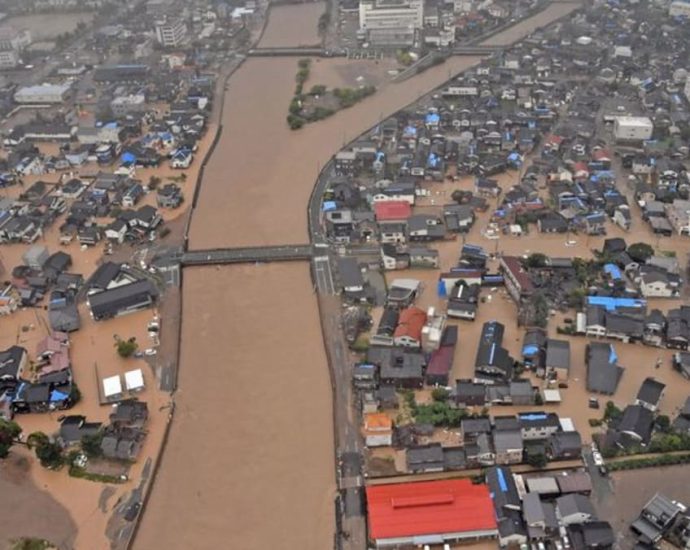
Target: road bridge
[[219, 256], [295, 52]]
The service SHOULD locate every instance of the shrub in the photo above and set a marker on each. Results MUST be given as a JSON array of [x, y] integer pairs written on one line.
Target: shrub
[[126, 348]]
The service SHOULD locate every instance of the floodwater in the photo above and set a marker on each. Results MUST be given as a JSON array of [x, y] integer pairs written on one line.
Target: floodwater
[[639, 361], [631, 490], [293, 25], [53, 523], [529, 25], [257, 185], [250, 452], [249, 463], [46, 26]]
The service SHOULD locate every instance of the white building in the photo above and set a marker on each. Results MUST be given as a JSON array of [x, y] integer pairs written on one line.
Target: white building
[[12, 39], [133, 103], [42, 93], [8, 59], [679, 8], [390, 22], [171, 33], [632, 128]]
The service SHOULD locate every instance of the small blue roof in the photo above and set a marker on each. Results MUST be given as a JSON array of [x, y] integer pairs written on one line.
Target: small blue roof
[[612, 271], [329, 205], [611, 303], [432, 118]]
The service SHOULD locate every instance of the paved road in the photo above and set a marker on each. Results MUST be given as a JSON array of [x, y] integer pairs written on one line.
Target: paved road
[[247, 255]]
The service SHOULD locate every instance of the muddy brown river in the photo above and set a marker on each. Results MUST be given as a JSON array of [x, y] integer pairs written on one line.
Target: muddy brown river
[[249, 464]]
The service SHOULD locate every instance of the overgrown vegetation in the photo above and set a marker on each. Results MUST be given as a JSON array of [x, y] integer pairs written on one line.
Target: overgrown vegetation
[[649, 462], [9, 432], [319, 102], [437, 413], [30, 543], [48, 452], [81, 473]]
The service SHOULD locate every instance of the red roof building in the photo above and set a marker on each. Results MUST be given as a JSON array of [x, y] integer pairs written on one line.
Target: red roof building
[[389, 211], [409, 330], [432, 512]]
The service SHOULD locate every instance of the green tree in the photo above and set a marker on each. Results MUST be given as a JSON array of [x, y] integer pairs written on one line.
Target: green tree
[[537, 460], [49, 453], [318, 89], [154, 181], [9, 432], [663, 423], [611, 412], [640, 252], [91, 444], [536, 260], [126, 348], [440, 395]]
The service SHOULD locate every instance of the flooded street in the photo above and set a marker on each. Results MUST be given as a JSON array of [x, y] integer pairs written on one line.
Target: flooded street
[[46, 26], [631, 490], [529, 25], [250, 453]]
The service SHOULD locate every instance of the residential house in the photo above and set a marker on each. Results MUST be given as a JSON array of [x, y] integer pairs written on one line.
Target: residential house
[[493, 362], [409, 330], [649, 395], [635, 427], [557, 363], [169, 196], [398, 367], [13, 362], [603, 371], [378, 430], [565, 446], [656, 518], [538, 425], [425, 458], [470, 394], [574, 509], [122, 300], [508, 446], [351, 278]]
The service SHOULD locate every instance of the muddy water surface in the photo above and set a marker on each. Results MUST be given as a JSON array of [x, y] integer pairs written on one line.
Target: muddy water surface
[[293, 25], [249, 462]]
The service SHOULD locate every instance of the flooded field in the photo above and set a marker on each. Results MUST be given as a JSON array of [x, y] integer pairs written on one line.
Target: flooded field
[[631, 490], [529, 25], [46, 26], [293, 25], [21, 520], [251, 447]]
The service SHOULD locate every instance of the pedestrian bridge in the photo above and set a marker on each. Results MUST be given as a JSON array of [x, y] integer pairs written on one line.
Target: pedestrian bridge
[[253, 254]]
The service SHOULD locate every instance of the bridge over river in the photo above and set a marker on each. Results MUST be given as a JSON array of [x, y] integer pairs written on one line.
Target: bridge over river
[[219, 256]]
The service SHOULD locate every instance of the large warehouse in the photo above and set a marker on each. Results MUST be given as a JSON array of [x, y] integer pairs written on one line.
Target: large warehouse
[[432, 512]]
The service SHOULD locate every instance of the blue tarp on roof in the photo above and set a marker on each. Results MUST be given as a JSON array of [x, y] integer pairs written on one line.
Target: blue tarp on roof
[[128, 158], [613, 271], [533, 417], [56, 395], [613, 357], [441, 289], [329, 205], [432, 118], [611, 303], [530, 349], [410, 130], [501, 480]]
